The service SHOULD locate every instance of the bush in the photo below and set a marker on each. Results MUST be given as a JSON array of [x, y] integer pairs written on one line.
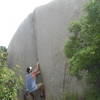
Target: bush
[[9, 82], [92, 94], [69, 96]]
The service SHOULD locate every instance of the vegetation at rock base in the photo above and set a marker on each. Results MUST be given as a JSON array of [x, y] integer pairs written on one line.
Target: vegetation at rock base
[[69, 96], [83, 48], [9, 82]]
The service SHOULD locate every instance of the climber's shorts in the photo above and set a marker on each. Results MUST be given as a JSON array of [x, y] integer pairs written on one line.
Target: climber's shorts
[[38, 86]]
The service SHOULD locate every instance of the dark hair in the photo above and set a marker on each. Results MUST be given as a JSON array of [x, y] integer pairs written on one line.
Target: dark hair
[[28, 70]]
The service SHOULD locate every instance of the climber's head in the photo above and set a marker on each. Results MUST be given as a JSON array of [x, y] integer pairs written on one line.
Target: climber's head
[[29, 69]]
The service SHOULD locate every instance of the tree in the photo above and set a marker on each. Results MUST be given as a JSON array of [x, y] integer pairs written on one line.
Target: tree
[[83, 47]]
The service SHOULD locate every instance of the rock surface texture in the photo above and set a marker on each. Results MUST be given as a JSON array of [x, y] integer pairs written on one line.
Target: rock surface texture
[[41, 37]]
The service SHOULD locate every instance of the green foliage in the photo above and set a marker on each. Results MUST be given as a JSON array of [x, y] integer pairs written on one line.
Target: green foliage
[[3, 56], [69, 96], [9, 82], [83, 47], [92, 94]]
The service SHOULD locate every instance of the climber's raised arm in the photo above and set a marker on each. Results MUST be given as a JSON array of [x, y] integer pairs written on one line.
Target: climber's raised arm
[[36, 71]]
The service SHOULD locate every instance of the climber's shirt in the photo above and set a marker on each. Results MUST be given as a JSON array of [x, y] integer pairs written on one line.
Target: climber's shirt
[[31, 82]]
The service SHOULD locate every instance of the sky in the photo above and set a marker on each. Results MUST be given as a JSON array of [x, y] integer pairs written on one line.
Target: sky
[[12, 13]]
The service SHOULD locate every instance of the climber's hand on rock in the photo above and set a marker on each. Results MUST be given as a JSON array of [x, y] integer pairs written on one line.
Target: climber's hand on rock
[[38, 66]]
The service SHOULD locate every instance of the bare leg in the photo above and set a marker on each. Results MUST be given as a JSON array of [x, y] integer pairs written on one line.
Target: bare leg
[[25, 96], [32, 95], [42, 89]]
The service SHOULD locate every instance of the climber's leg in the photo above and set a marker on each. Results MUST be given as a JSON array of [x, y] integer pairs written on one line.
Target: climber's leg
[[25, 96], [41, 88], [32, 95]]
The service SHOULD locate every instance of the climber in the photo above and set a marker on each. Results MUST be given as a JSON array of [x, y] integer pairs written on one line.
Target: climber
[[31, 85]]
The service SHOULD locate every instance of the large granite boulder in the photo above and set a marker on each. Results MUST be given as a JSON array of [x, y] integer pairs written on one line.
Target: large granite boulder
[[41, 37]]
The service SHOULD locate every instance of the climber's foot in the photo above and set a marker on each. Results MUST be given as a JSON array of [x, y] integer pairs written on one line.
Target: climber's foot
[[41, 95]]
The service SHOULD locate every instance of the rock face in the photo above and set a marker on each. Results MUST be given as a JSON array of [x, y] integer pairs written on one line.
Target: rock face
[[41, 37]]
